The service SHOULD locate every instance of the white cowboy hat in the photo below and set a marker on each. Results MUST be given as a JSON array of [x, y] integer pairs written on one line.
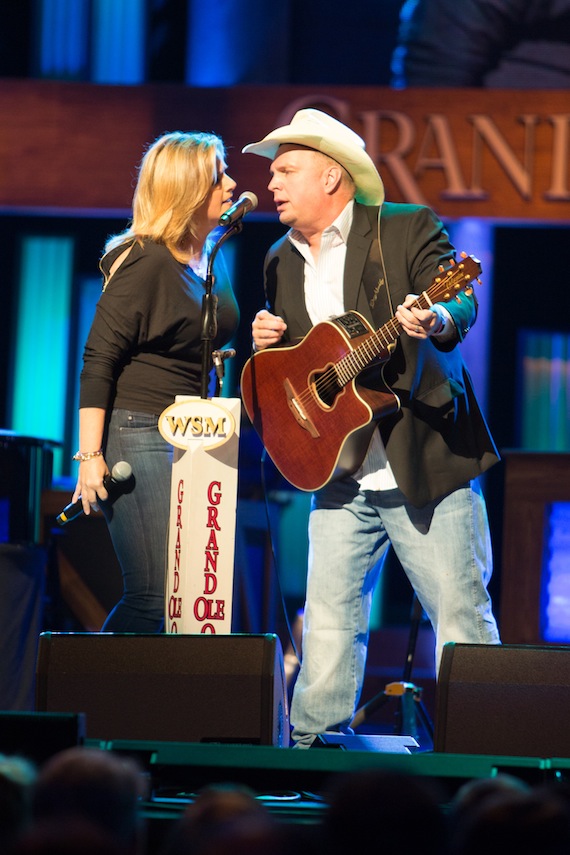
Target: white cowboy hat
[[320, 131]]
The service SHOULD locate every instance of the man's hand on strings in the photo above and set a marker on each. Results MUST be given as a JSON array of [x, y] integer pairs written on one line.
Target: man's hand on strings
[[417, 323]]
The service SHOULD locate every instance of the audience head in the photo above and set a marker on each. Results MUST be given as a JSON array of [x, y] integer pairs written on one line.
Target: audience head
[[528, 821], [478, 790], [17, 776], [92, 785], [225, 819], [373, 809]]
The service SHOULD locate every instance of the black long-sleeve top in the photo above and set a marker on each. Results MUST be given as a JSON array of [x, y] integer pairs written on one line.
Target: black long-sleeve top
[[144, 345]]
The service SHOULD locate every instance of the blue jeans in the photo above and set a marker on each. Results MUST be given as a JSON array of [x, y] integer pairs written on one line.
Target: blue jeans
[[446, 552], [138, 521]]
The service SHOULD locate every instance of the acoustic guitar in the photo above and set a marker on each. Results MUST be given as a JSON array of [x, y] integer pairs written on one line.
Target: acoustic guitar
[[305, 401]]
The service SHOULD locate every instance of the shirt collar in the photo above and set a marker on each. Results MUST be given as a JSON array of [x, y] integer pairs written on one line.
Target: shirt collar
[[341, 226]]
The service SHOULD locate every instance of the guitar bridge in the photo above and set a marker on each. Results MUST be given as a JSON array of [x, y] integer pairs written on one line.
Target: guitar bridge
[[299, 413]]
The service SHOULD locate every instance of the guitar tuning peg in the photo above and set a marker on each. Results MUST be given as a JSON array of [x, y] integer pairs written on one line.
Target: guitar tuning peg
[[478, 281], [441, 268], [463, 254]]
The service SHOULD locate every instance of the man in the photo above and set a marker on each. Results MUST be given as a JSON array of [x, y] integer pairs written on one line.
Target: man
[[348, 250], [498, 44]]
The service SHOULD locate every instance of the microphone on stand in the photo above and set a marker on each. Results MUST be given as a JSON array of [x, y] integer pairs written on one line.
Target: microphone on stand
[[208, 324], [246, 202], [113, 483], [218, 357]]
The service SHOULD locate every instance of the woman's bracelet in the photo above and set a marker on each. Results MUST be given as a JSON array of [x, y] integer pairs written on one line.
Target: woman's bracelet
[[86, 455]]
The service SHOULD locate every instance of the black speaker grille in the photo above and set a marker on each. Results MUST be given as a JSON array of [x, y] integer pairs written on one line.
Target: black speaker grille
[[508, 700], [183, 688]]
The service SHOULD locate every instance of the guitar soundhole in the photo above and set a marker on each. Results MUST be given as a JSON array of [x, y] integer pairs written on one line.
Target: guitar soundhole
[[326, 387]]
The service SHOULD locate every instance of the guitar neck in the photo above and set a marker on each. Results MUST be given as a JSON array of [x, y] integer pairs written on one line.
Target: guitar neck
[[380, 344], [376, 345]]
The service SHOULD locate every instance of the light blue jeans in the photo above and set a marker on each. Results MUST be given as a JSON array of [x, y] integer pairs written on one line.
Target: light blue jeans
[[446, 552], [138, 520]]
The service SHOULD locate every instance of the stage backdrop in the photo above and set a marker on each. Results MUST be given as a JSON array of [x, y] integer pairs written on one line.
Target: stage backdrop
[[465, 152]]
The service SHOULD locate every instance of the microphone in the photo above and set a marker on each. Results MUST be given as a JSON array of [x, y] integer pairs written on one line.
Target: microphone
[[113, 483], [246, 202], [218, 357]]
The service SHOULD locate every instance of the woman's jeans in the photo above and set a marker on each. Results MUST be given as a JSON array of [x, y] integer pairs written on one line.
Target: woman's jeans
[[138, 520], [446, 552]]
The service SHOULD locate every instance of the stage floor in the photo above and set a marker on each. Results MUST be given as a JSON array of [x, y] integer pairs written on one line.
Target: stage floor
[[293, 784]]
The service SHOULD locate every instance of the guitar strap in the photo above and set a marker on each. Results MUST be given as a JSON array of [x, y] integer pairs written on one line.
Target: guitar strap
[[375, 281], [383, 263]]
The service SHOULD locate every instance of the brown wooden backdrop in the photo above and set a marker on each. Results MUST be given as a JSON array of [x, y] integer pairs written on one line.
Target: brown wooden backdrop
[[467, 152]]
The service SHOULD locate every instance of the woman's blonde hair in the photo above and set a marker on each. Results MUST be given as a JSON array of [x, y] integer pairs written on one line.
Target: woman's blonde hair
[[175, 176]]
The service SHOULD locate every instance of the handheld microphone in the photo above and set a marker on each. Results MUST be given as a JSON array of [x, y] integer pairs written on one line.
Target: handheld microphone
[[113, 483], [218, 357], [246, 202]]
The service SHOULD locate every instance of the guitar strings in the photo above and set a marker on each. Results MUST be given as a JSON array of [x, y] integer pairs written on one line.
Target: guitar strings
[[352, 363]]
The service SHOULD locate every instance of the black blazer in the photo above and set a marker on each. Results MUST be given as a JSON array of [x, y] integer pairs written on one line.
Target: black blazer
[[438, 440]]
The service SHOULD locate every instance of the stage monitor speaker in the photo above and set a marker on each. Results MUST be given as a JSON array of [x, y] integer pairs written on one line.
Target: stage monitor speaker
[[509, 699], [174, 688]]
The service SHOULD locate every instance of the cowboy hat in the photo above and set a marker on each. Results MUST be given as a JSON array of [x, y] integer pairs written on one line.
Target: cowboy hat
[[318, 130]]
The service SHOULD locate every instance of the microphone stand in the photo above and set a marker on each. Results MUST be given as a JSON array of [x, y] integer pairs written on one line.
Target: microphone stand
[[209, 327]]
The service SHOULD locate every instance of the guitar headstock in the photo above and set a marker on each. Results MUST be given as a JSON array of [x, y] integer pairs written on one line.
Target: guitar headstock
[[457, 278]]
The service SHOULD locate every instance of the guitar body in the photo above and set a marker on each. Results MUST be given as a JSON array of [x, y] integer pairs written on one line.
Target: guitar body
[[315, 428]]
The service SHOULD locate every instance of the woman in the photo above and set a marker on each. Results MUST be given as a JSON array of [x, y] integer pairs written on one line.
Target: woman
[[144, 348]]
